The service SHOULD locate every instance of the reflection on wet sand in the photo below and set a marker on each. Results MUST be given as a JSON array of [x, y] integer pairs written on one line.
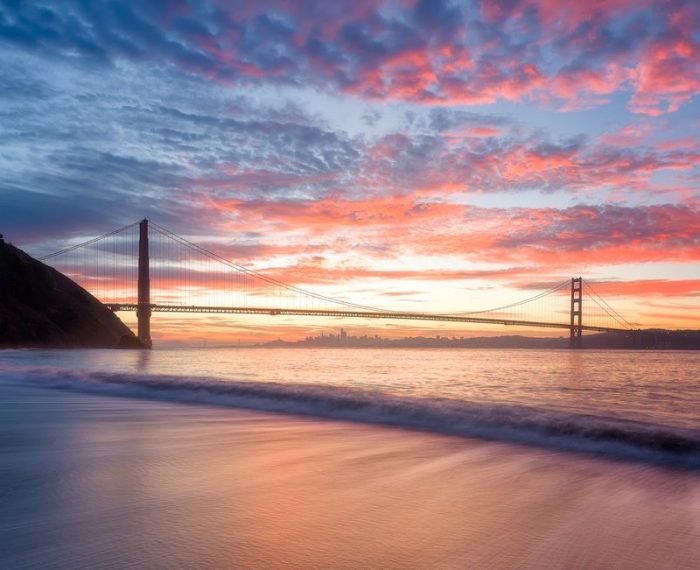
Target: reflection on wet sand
[[108, 482]]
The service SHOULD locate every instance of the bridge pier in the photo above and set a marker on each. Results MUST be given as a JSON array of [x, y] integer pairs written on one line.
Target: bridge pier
[[575, 328], [143, 310]]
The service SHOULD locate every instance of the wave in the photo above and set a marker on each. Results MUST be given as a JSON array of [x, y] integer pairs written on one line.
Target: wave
[[609, 436]]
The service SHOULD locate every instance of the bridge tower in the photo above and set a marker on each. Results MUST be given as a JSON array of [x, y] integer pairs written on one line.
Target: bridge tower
[[576, 312], [143, 310]]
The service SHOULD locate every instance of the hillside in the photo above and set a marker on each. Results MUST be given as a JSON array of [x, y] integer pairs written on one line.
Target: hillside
[[40, 307]]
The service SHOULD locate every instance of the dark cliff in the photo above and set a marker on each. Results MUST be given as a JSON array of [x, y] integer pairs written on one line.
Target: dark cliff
[[40, 307]]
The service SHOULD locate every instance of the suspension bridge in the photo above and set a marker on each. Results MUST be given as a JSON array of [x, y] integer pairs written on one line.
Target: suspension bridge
[[143, 267]]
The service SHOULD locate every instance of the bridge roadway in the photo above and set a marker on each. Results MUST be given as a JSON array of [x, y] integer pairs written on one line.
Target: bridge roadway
[[355, 314]]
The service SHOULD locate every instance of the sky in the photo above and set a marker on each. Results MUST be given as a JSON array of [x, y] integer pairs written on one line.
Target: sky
[[429, 155]]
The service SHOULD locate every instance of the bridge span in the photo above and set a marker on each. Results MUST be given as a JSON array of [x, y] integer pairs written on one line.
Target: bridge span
[[356, 314], [129, 251]]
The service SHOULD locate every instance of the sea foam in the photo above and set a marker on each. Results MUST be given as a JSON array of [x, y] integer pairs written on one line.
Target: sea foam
[[610, 436]]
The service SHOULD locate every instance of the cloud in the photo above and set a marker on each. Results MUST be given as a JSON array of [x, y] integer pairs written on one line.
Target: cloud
[[647, 288], [437, 52], [582, 235], [574, 238], [121, 147]]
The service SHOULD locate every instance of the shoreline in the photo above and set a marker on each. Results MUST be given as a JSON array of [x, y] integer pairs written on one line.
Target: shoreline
[[93, 480], [587, 434]]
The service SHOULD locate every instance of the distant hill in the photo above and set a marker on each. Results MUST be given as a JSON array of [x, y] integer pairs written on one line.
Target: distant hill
[[40, 307]]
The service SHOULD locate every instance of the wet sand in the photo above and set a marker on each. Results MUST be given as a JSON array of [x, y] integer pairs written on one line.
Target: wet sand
[[91, 481]]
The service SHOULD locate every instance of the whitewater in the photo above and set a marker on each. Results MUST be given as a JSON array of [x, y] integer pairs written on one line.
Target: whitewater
[[626, 404]]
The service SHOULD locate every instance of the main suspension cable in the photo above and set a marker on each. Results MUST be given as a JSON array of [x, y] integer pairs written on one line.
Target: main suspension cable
[[261, 276], [85, 243]]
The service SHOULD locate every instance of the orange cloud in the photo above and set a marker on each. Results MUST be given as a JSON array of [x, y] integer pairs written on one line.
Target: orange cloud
[[650, 288]]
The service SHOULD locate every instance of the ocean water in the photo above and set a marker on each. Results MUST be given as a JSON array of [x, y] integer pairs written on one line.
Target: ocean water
[[630, 404], [286, 458]]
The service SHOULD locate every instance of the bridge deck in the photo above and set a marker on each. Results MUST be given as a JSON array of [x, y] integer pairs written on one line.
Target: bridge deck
[[355, 314]]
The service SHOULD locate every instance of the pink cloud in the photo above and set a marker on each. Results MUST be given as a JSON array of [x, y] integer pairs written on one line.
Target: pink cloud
[[571, 54]]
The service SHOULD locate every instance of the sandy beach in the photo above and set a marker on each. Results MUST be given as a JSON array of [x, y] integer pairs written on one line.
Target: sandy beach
[[90, 481]]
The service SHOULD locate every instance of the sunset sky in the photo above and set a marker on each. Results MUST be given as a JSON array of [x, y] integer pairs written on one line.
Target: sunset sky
[[428, 156]]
